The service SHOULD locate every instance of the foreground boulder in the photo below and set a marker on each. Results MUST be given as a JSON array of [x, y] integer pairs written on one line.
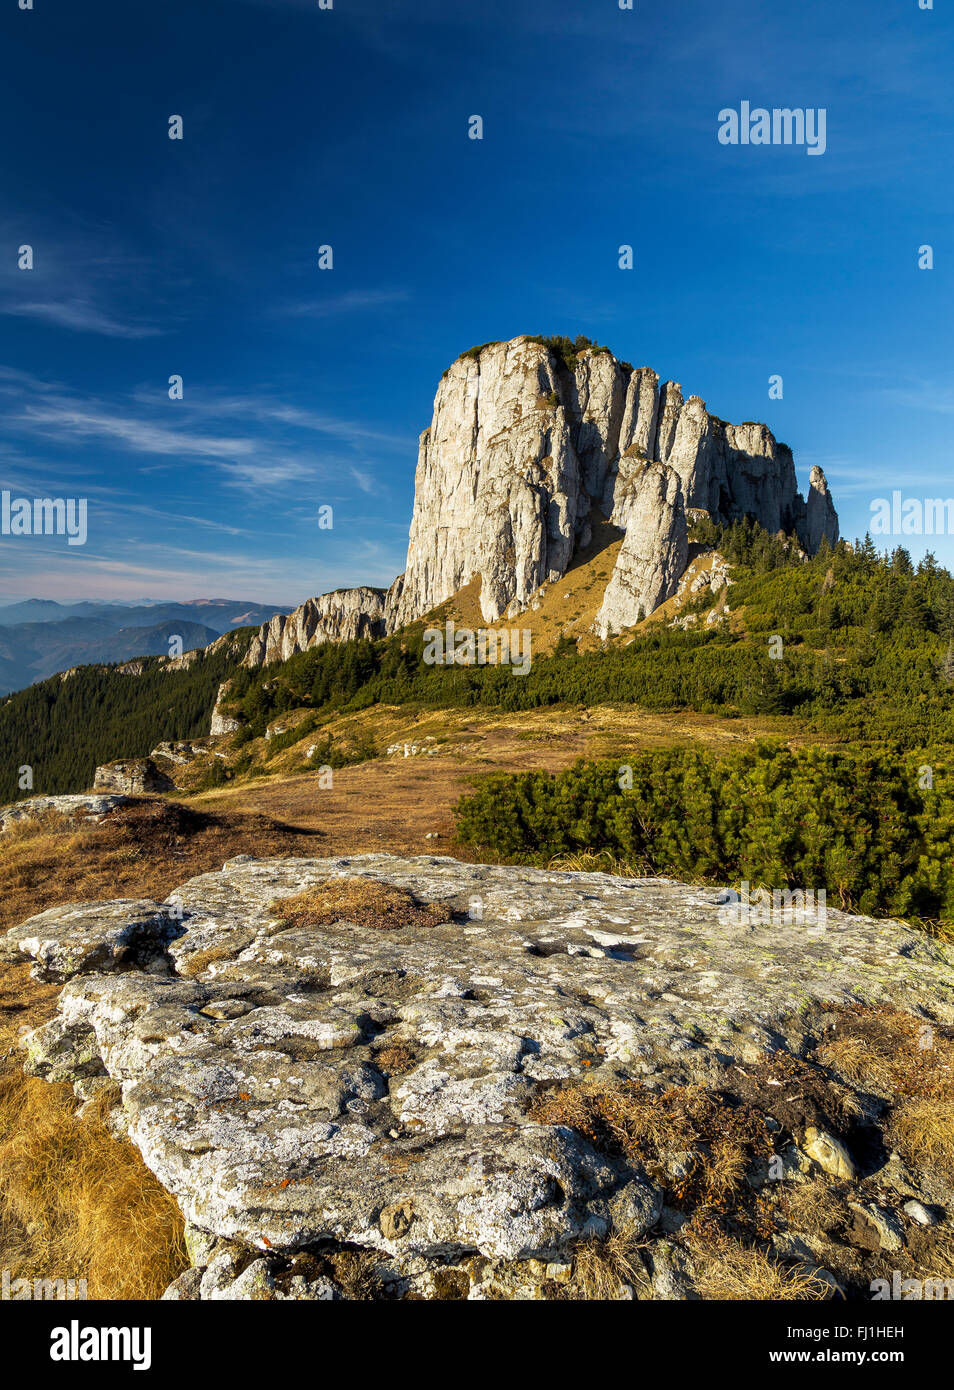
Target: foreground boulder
[[375, 1085]]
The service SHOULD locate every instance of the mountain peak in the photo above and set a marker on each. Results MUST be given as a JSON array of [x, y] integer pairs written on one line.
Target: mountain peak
[[533, 437], [533, 443]]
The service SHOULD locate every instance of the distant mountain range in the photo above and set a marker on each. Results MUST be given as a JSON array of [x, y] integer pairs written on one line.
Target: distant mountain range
[[39, 637]]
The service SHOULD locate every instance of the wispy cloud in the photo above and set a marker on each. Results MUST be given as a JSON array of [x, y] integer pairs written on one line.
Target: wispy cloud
[[364, 480], [68, 420], [350, 302], [167, 515], [257, 444], [266, 410], [85, 279], [925, 395], [81, 316]]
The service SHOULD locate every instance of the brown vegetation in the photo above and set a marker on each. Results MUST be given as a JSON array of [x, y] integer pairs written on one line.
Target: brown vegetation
[[77, 1203], [711, 1141], [358, 900], [145, 849], [602, 1267], [910, 1063], [395, 1059], [730, 1271]]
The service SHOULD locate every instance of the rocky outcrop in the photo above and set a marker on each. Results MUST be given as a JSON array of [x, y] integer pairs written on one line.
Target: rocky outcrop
[[223, 723], [299, 1085], [654, 552], [708, 574], [521, 448], [179, 752], [84, 807], [131, 777], [346, 615], [498, 490], [61, 943], [821, 519]]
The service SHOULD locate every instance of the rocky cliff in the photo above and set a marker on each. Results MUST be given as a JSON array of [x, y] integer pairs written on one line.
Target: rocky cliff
[[654, 552], [527, 446], [345, 615], [524, 443]]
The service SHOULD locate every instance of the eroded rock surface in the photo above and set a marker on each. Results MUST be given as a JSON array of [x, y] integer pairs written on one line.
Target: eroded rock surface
[[223, 723], [82, 806], [257, 1062]]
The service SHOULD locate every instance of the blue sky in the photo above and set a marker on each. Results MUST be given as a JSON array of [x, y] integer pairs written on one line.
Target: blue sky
[[348, 127]]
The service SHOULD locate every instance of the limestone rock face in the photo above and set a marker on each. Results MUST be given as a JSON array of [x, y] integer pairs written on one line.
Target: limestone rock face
[[345, 615], [84, 806], [498, 489], [654, 552], [821, 519], [253, 1057], [520, 449], [131, 776], [223, 723]]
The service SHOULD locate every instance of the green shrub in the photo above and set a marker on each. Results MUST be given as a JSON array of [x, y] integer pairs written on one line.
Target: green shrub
[[359, 749], [216, 775], [290, 737], [567, 349], [856, 824]]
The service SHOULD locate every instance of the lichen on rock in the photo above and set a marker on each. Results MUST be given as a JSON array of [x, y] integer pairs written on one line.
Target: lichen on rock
[[254, 1054]]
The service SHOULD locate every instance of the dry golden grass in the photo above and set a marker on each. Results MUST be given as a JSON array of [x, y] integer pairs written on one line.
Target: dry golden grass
[[395, 1059], [355, 1273], [360, 900], [728, 1271], [909, 1062], [922, 1130], [942, 1257], [76, 1203], [567, 606], [602, 1267], [145, 848], [650, 1128], [592, 862], [812, 1206], [853, 1059], [236, 941]]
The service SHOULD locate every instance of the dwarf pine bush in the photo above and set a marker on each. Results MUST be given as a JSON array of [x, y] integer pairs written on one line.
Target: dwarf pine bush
[[857, 824]]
